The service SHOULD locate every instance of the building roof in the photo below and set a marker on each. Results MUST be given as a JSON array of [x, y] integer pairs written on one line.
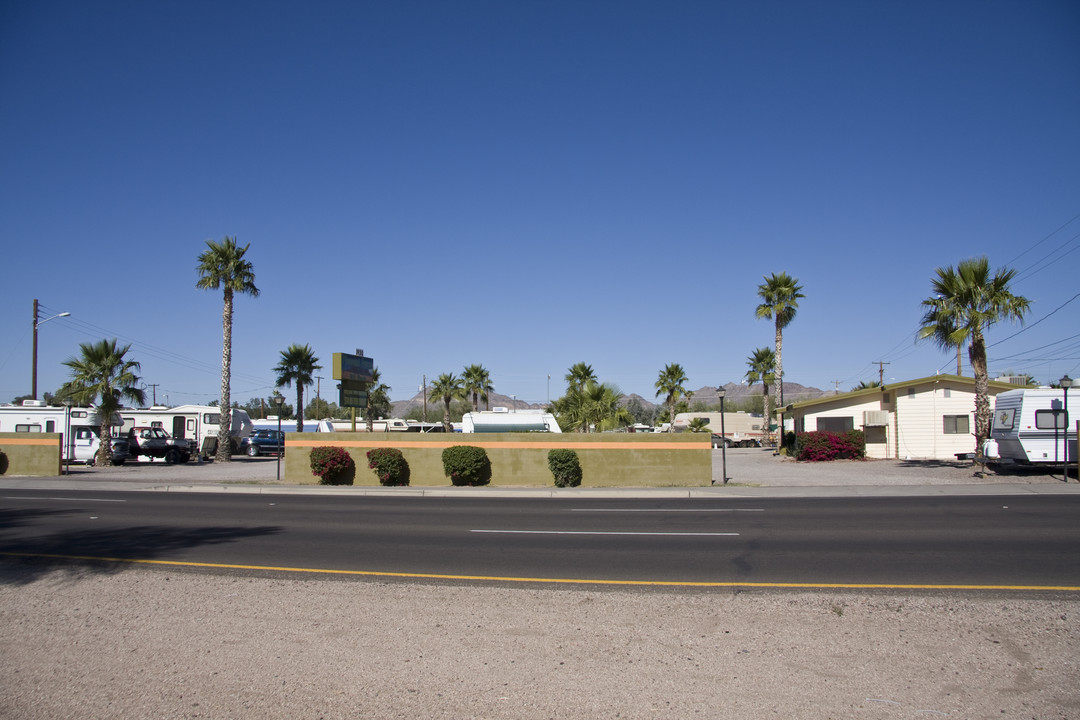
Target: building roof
[[865, 393]]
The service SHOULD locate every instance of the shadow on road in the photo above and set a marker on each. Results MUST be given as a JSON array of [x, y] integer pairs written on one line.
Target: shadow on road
[[32, 554]]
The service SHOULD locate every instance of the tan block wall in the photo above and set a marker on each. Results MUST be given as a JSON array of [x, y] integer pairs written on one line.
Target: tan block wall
[[36, 454], [520, 459]]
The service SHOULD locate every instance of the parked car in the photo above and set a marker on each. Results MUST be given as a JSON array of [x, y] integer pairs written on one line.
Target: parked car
[[721, 441], [154, 442], [263, 442]]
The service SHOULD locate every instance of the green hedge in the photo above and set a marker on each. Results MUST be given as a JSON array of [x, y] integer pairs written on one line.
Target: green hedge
[[565, 466], [466, 465]]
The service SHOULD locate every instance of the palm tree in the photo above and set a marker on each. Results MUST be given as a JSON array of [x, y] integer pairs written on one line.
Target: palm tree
[[102, 373], [967, 301], [762, 366], [298, 365], [601, 407], [378, 398], [672, 383], [477, 383], [222, 265], [579, 375], [446, 389], [866, 385], [780, 296]]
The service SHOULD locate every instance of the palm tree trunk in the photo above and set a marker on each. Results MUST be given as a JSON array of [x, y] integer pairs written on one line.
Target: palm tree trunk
[[447, 427], [299, 407], [224, 451], [766, 405], [983, 414], [778, 379]]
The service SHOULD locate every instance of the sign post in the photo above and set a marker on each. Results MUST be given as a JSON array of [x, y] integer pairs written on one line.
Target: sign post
[[355, 374]]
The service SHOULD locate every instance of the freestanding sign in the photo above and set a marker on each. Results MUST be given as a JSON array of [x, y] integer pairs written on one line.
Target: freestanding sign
[[354, 373], [353, 367]]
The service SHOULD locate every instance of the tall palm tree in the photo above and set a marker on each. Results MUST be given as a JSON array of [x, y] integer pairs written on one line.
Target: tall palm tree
[[967, 301], [378, 398], [446, 389], [297, 365], [601, 407], [761, 368], [222, 265], [780, 296], [672, 383], [102, 373], [477, 383], [579, 375]]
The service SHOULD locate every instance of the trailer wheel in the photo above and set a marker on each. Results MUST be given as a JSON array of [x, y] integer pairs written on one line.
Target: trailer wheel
[[172, 456]]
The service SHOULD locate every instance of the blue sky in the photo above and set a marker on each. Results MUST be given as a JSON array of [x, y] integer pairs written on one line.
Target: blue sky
[[527, 185]]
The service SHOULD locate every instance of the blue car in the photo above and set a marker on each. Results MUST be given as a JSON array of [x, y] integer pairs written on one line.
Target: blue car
[[263, 442]]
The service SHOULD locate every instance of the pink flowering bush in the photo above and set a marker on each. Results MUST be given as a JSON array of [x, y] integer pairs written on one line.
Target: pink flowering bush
[[389, 465], [818, 446], [332, 465]]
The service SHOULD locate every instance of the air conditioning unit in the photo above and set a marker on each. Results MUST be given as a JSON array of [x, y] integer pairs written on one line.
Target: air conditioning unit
[[875, 418]]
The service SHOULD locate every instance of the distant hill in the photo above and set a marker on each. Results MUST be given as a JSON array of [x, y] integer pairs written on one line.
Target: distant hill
[[793, 392]]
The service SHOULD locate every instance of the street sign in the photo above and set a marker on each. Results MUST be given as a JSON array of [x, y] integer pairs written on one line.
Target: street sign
[[353, 367]]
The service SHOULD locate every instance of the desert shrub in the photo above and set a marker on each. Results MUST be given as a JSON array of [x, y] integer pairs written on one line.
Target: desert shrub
[[389, 465], [332, 465], [565, 466], [819, 445], [466, 465]]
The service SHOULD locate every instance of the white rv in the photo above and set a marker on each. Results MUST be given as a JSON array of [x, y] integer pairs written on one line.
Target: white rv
[[741, 429], [1031, 426], [504, 420], [194, 422], [81, 426], [336, 425]]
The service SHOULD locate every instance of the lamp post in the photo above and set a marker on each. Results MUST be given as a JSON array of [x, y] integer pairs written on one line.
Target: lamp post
[[721, 393], [279, 399], [1066, 383], [37, 321]]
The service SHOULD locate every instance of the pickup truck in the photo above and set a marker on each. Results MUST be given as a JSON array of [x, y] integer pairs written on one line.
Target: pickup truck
[[154, 442]]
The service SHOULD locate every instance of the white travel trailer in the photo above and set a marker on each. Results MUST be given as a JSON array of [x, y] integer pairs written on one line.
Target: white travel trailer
[[195, 422], [743, 429], [1031, 426], [333, 425], [503, 420], [80, 426]]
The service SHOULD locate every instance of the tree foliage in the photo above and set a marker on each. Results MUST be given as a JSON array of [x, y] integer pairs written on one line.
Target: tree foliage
[[103, 375], [780, 295], [297, 366]]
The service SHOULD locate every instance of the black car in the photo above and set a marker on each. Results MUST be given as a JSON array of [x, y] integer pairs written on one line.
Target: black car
[[263, 442]]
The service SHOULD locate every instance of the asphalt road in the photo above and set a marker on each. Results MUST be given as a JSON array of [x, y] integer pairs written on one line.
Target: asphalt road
[[984, 541]]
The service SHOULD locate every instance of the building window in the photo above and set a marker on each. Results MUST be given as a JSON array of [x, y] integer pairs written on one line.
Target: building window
[[835, 424], [956, 425]]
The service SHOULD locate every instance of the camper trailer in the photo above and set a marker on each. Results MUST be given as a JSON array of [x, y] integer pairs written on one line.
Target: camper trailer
[[1032, 426], [81, 426], [741, 429], [503, 420], [192, 422]]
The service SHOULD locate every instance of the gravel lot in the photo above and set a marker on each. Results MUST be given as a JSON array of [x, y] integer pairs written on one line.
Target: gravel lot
[[133, 642]]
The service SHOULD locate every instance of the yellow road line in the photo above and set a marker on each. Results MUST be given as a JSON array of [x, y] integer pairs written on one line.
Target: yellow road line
[[563, 581]]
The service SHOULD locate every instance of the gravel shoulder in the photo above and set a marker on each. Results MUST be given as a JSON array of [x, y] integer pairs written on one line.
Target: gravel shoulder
[[156, 643]]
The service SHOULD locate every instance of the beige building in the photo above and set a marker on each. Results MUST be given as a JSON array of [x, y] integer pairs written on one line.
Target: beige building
[[930, 418]]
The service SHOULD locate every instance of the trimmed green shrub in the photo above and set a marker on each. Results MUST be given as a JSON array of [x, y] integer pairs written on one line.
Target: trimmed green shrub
[[3, 462], [466, 465], [818, 446], [332, 465], [564, 465], [389, 465]]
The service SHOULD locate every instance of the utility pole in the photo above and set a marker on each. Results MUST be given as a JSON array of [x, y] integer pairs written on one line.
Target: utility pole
[[425, 398], [837, 386], [881, 370], [154, 392], [318, 385]]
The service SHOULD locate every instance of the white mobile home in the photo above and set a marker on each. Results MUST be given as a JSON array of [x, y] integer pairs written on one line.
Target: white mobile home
[[931, 418], [744, 429], [1032, 426], [195, 422], [79, 425], [502, 420]]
